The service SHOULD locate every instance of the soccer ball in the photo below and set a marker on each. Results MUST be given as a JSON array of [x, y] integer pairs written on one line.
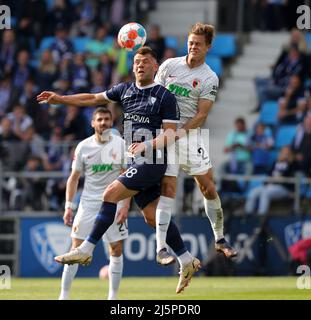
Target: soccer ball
[[132, 36]]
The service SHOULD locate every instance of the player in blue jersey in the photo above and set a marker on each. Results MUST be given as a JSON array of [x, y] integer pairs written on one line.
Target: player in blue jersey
[[147, 107]]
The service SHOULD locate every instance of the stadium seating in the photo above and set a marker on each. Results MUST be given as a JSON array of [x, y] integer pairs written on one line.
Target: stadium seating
[[171, 42], [80, 43], [45, 43], [268, 113], [224, 46], [284, 135], [215, 64]]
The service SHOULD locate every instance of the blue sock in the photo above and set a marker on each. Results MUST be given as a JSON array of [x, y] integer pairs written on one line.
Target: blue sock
[[103, 221], [174, 240]]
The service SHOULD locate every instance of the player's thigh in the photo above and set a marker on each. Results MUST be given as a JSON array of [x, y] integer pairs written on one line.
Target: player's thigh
[[84, 219], [117, 191], [142, 176], [206, 184]]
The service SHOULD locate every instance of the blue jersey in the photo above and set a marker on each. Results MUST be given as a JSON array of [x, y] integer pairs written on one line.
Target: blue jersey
[[145, 109]]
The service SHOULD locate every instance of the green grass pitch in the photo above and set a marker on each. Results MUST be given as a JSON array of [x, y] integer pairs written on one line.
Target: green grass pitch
[[160, 288]]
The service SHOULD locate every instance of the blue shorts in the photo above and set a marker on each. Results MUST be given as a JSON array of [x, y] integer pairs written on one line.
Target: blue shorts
[[146, 179]]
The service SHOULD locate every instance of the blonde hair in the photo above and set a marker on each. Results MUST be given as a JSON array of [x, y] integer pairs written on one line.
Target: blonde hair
[[201, 29]]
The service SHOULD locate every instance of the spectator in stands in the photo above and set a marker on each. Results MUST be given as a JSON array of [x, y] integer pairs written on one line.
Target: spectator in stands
[[274, 14], [32, 21], [273, 88], [61, 47], [288, 104], [297, 39], [75, 125], [33, 188], [85, 15], [6, 94], [284, 167], [80, 74], [259, 144], [22, 70], [98, 82], [237, 147], [10, 145], [156, 41], [20, 121], [98, 46], [60, 14], [47, 71], [120, 62], [169, 53], [105, 66], [302, 146], [8, 49], [34, 142]]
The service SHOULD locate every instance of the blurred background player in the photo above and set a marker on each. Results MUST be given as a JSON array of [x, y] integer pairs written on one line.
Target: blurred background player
[[99, 157], [195, 86], [147, 107]]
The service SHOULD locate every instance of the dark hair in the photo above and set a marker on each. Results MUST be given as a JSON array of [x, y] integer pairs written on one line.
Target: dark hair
[[101, 110], [146, 50], [201, 29]]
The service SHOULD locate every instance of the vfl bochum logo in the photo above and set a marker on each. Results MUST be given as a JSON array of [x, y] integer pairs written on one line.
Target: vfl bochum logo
[[48, 240], [297, 231]]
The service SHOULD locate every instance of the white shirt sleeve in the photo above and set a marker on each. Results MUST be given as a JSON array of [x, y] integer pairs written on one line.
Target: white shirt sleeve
[[210, 88], [77, 163], [161, 76]]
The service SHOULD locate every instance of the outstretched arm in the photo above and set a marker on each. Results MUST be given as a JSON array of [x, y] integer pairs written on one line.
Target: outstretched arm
[[79, 100]]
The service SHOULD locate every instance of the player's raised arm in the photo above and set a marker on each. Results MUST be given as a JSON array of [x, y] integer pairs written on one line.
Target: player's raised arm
[[78, 100]]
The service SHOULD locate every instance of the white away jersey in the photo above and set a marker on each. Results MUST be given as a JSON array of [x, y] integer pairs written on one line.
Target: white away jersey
[[100, 162], [188, 84]]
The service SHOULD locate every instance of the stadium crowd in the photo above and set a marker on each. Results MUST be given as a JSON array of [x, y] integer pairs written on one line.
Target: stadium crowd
[[279, 143], [67, 47], [70, 46]]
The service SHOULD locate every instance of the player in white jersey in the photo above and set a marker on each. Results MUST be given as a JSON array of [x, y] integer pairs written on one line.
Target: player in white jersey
[[195, 86], [99, 157]]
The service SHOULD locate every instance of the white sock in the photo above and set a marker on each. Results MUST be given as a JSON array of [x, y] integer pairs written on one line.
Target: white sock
[[185, 259], [69, 272], [115, 274], [87, 247], [215, 214], [163, 218]]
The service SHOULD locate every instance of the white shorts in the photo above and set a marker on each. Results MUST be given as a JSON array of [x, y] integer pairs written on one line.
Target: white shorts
[[192, 158], [84, 221]]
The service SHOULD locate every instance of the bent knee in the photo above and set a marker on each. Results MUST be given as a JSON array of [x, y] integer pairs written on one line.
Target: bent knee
[[209, 192], [111, 193]]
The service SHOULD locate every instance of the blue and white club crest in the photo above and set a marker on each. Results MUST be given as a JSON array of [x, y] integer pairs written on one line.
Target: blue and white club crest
[[297, 231], [48, 240]]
